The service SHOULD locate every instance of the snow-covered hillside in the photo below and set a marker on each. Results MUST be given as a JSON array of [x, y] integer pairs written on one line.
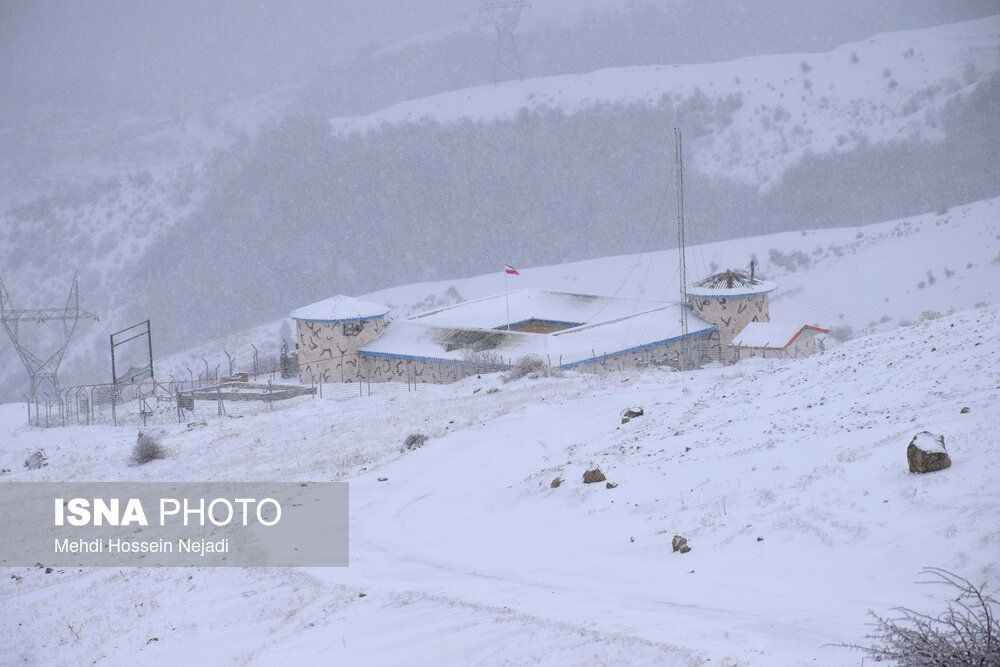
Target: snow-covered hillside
[[783, 107], [788, 478]]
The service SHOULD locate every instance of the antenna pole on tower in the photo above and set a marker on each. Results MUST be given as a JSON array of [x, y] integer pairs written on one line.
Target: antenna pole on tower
[[681, 249]]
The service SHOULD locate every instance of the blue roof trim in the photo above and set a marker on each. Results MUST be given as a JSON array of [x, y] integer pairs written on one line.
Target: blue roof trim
[[348, 319], [439, 360], [408, 357], [639, 348]]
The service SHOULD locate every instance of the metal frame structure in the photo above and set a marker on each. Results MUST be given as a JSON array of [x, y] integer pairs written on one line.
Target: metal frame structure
[[42, 369], [505, 15], [148, 333]]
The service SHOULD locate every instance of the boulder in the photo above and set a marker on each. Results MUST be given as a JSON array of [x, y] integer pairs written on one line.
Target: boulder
[[965, 410], [594, 476], [680, 543], [628, 414], [927, 453], [555, 483], [611, 485]]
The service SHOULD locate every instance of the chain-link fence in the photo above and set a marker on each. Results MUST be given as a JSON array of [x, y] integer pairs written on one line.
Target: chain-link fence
[[152, 402]]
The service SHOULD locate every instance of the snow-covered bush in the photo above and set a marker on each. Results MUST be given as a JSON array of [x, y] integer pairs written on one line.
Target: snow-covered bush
[[414, 441], [789, 261], [147, 448], [529, 366], [842, 333], [966, 633], [483, 361]]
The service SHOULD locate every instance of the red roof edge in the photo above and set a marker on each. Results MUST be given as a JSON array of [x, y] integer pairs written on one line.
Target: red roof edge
[[799, 333]]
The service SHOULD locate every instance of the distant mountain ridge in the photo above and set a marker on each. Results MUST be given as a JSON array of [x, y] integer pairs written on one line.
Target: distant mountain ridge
[[890, 87]]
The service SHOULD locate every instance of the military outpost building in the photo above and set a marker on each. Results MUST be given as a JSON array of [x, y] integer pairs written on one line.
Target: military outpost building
[[344, 339]]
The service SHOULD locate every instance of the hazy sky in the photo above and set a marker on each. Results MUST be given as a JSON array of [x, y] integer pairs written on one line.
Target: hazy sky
[[150, 53], [147, 55]]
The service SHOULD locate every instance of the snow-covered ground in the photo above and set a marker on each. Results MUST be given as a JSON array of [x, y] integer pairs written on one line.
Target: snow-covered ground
[[784, 107], [789, 479]]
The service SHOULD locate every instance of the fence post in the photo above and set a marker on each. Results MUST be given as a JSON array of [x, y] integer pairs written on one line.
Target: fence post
[[218, 396], [114, 405], [270, 401], [180, 410]]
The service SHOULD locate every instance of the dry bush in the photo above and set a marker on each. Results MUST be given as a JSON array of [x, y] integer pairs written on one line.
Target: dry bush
[[414, 441], [532, 367], [966, 633], [483, 361], [147, 448]]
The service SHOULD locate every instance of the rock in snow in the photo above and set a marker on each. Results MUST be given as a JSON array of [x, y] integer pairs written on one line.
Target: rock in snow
[[680, 543], [593, 476], [629, 414], [926, 453], [555, 483]]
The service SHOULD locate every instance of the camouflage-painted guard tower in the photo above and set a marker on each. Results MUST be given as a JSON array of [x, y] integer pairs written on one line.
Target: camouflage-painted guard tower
[[731, 300], [328, 334]]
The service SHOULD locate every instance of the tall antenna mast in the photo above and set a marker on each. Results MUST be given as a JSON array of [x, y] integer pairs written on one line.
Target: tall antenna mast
[[505, 15], [681, 249]]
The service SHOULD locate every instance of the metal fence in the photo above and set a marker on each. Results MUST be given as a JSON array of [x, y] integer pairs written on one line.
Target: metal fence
[[214, 395], [184, 401]]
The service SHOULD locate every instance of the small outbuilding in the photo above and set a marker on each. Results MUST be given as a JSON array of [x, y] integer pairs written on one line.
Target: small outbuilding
[[771, 340]]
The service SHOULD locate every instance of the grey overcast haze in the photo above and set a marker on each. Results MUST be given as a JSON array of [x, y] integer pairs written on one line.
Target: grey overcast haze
[[554, 332]]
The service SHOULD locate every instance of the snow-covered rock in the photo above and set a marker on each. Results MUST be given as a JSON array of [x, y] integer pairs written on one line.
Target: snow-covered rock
[[926, 453]]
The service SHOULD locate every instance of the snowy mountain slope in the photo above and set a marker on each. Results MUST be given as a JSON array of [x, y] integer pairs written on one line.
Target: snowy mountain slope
[[782, 107], [467, 555], [870, 278], [853, 276]]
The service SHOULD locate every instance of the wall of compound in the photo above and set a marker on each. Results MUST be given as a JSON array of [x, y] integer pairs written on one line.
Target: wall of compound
[[401, 369], [703, 348]]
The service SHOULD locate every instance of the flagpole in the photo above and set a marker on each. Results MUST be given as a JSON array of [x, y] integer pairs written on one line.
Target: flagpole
[[506, 299]]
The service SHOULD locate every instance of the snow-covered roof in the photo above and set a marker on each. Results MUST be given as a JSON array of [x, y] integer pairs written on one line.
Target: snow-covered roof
[[340, 309], [771, 334], [730, 283], [601, 326]]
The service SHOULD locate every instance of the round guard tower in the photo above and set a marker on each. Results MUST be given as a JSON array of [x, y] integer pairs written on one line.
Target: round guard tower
[[328, 334], [730, 300]]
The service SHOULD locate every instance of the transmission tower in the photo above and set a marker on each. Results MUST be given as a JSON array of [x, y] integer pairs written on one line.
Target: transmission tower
[[19, 322], [505, 17], [681, 249]]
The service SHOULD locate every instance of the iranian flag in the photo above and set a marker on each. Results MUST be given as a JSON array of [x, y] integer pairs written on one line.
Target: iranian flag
[[510, 270]]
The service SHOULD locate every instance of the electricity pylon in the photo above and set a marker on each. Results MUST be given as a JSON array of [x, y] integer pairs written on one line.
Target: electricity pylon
[[505, 17], [42, 367]]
